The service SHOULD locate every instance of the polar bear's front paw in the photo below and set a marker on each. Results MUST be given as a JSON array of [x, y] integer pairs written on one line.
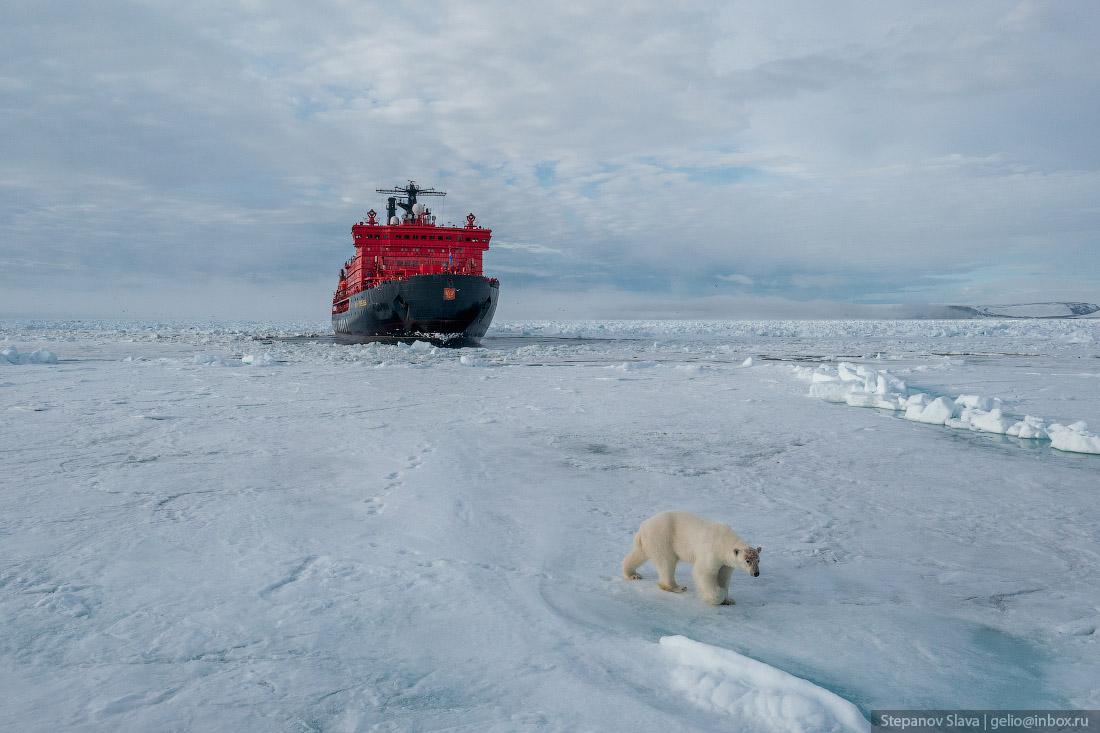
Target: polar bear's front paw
[[728, 602], [672, 588], [633, 576]]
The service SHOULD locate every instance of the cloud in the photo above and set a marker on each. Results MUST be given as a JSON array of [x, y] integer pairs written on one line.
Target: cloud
[[817, 281], [736, 279], [540, 249], [838, 153]]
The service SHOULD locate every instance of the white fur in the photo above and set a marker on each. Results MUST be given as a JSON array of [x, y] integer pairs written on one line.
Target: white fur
[[713, 549]]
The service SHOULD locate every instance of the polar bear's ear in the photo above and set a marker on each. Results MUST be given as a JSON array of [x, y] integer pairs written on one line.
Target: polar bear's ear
[[737, 551]]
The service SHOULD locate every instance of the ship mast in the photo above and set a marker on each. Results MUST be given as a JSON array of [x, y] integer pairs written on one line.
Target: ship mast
[[409, 194]]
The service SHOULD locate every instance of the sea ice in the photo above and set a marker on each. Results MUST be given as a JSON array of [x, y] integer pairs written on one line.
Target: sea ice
[[11, 355], [1074, 438], [194, 547], [262, 359], [861, 386], [935, 412], [991, 421], [207, 359], [977, 402], [758, 697], [1030, 428]]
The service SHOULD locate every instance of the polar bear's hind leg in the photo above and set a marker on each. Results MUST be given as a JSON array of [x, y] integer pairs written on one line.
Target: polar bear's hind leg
[[634, 560], [666, 574]]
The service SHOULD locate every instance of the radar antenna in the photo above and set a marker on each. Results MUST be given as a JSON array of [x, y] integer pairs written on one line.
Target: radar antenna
[[409, 194]]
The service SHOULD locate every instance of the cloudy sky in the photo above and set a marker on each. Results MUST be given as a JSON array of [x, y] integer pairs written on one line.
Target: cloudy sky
[[724, 159]]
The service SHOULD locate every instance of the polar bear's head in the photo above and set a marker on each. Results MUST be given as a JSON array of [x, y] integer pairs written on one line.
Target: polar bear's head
[[748, 559]]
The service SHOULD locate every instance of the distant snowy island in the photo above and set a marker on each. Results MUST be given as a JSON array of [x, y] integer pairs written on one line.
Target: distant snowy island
[[1020, 310]]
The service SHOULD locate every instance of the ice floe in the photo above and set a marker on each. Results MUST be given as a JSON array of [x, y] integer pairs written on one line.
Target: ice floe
[[1029, 428], [862, 386], [757, 697], [207, 359], [919, 408], [1074, 438], [11, 355], [631, 366], [475, 358], [263, 359]]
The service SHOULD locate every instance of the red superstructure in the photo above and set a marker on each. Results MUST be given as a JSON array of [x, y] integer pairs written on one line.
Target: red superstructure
[[409, 246]]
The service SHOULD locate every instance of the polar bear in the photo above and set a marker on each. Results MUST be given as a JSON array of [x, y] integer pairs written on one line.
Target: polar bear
[[714, 549]]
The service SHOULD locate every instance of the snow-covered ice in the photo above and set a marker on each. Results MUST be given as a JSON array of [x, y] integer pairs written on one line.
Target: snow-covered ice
[[11, 355], [862, 386], [262, 359], [1074, 437], [399, 537], [758, 698]]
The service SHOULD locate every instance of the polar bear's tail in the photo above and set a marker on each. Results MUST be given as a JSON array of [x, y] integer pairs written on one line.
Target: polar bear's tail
[[633, 560]]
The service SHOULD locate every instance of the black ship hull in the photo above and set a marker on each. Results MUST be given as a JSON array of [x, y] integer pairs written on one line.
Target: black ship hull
[[441, 306]]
